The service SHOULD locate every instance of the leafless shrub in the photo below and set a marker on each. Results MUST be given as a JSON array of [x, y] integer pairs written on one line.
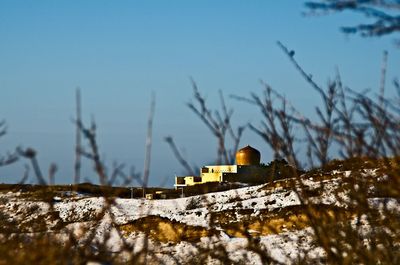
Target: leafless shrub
[[352, 223], [93, 154], [87, 245], [219, 124], [363, 131], [276, 127], [362, 127]]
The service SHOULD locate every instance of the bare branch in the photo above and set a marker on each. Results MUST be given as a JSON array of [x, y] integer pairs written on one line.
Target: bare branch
[[10, 158], [307, 77], [178, 155], [30, 154], [219, 123], [25, 175], [78, 148], [383, 78], [90, 135], [383, 12], [3, 128], [117, 172], [149, 136], [52, 172]]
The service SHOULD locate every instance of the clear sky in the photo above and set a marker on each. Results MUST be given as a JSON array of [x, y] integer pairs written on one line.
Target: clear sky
[[118, 52]]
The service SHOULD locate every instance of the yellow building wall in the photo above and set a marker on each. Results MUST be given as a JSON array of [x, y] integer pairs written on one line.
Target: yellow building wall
[[211, 177], [228, 173], [190, 181], [222, 168]]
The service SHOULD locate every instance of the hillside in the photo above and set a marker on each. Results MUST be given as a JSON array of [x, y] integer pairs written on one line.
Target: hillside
[[285, 221]]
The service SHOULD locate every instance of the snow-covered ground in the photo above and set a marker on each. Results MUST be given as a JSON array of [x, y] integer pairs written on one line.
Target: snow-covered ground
[[77, 213]]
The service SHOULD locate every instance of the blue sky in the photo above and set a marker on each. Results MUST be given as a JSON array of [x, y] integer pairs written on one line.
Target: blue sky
[[118, 52]]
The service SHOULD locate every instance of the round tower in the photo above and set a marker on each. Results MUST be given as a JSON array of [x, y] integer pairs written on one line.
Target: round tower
[[248, 156]]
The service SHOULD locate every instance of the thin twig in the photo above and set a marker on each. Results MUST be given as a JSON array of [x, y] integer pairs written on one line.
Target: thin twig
[[78, 148], [90, 135], [52, 172], [30, 154], [146, 171], [178, 155], [383, 78]]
